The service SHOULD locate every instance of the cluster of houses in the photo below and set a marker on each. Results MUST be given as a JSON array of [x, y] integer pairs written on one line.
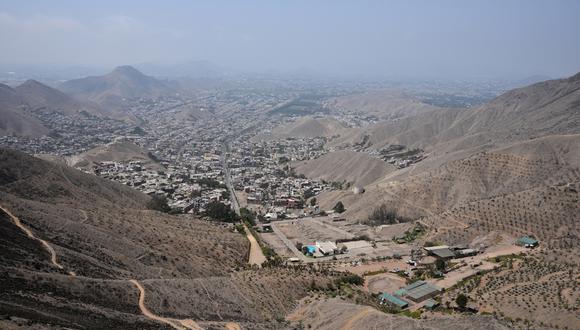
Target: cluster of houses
[[188, 189], [70, 133], [260, 169]]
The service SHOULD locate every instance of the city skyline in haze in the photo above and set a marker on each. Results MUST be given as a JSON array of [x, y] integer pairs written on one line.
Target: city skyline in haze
[[391, 39]]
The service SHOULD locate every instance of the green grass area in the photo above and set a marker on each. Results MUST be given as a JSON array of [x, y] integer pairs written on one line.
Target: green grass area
[[376, 272], [410, 235], [412, 314]]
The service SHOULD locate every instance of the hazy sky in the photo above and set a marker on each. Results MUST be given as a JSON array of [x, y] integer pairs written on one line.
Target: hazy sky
[[383, 38]]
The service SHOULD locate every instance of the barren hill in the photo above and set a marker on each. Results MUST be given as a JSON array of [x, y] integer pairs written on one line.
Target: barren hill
[[310, 127], [14, 120], [124, 82], [550, 107], [37, 95], [525, 139], [389, 104], [115, 151], [78, 249], [355, 167]]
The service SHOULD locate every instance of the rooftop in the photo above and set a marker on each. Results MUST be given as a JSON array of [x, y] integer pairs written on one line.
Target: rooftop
[[526, 240], [394, 300], [442, 251], [420, 289]]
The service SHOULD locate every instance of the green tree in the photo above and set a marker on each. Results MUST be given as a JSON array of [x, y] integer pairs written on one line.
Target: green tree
[[221, 212], [313, 201], [339, 207], [158, 203], [247, 216], [440, 264], [461, 300]]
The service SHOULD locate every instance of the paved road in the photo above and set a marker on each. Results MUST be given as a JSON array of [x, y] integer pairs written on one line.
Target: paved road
[[256, 256]]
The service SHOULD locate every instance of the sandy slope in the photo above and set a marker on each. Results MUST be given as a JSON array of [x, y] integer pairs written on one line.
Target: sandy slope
[[358, 168]]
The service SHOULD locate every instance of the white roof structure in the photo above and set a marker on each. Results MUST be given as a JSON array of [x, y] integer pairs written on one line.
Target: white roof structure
[[438, 247], [326, 247]]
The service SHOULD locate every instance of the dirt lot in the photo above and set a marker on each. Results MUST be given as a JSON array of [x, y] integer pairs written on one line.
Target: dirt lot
[[386, 282], [372, 266], [308, 230], [277, 244]]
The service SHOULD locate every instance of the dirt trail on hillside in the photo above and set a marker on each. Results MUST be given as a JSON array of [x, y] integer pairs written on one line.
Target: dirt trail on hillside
[[360, 315], [233, 326], [176, 324], [257, 257], [29, 233]]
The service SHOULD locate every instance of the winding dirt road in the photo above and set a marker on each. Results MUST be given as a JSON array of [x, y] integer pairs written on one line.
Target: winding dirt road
[[176, 324], [45, 244], [185, 324], [356, 317]]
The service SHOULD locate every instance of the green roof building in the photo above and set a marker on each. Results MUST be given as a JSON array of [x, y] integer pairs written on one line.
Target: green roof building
[[386, 298], [431, 304], [527, 241]]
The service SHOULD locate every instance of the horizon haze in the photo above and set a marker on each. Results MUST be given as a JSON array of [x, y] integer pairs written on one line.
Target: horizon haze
[[373, 39]]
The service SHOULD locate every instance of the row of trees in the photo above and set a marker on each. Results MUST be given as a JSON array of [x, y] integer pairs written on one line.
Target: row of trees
[[384, 215]]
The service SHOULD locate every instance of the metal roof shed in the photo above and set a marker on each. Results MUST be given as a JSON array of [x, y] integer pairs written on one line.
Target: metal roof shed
[[421, 290], [385, 297]]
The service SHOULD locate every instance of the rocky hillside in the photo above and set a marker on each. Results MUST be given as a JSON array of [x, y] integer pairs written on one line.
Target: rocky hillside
[[74, 245], [14, 118]]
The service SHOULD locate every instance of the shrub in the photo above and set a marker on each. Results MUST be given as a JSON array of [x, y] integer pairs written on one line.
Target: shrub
[[339, 207], [383, 215], [158, 203], [221, 212], [461, 300]]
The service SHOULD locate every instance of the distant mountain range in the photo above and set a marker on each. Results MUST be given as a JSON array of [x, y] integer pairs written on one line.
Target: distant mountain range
[[97, 95], [110, 90], [19, 103], [13, 118]]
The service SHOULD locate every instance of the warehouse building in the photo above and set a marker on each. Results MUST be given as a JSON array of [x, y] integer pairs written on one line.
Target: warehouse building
[[441, 251], [527, 241], [419, 291], [386, 298]]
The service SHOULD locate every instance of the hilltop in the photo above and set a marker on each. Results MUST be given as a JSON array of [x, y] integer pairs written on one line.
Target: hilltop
[[384, 105], [37, 95], [310, 127], [22, 105], [545, 108], [357, 168], [124, 82], [14, 119], [524, 139], [119, 151]]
